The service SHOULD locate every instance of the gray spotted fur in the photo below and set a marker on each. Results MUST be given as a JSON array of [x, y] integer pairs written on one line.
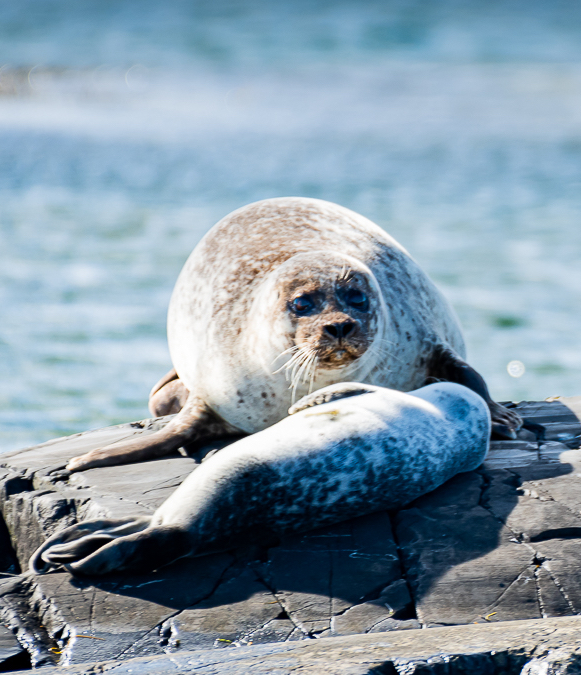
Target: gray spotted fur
[[328, 462]]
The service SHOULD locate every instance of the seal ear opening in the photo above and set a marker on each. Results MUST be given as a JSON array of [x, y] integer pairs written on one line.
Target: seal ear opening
[[78, 541]]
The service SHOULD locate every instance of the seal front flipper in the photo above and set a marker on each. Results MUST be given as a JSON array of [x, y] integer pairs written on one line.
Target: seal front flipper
[[194, 423], [445, 364], [329, 394], [168, 396]]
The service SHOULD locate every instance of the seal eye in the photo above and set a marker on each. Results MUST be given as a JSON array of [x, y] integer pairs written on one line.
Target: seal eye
[[302, 304], [356, 299]]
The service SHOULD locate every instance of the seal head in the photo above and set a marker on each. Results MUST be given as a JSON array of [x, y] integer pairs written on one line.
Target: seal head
[[315, 320]]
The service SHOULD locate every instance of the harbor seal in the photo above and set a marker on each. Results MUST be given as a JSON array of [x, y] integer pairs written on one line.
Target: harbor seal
[[286, 296], [348, 450]]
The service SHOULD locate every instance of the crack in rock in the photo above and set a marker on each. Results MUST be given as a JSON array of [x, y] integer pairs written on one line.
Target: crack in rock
[[16, 615]]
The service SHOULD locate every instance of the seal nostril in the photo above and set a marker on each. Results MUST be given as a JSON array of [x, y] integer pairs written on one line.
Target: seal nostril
[[340, 330], [348, 327]]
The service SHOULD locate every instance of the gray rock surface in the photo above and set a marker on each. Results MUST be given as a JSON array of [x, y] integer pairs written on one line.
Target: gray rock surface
[[534, 647], [495, 545], [12, 655]]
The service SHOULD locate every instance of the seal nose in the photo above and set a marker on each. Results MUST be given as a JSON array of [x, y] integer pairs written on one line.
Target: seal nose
[[339, 330]]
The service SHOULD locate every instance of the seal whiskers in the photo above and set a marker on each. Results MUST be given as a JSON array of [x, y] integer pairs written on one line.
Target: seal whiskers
[[290, 350], [311, 370], [295, 367], [378, 351], [295, 364], [303, 370]]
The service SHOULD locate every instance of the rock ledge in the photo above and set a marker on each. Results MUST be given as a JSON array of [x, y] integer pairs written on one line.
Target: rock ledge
[[498, 547]]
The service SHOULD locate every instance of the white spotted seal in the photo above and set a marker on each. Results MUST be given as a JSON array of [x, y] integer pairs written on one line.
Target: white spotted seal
[[348, 450], [299, 292]]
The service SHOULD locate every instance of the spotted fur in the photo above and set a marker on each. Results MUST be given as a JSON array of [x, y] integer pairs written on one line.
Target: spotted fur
[[355, 454]]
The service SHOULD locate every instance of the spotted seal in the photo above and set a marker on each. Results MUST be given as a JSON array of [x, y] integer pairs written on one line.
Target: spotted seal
[[300, 292], [347, 450]]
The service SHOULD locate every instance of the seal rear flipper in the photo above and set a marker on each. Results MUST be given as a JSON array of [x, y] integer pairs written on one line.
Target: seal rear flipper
[[142, 552], [329, 394], [76, 538], [193, 423], [446, 365], [168, 396]]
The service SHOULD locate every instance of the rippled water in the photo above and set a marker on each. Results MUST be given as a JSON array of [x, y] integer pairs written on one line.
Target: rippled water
[[128, 128]]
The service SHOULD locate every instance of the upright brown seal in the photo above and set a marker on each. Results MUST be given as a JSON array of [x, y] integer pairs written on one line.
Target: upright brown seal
[[283, 297]]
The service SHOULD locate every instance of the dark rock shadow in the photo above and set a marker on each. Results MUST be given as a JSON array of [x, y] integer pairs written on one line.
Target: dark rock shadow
[[472, 549], [353, 560], [467, 550], [8, 560]]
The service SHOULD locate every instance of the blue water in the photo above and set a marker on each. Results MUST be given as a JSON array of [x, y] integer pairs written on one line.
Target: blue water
[[128, 127]]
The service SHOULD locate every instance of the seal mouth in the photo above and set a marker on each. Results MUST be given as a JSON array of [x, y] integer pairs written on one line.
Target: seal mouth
[[339, 357], [333, 344], [341, 352]]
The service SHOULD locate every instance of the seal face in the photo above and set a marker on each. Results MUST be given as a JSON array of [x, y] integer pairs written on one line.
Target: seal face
[[284, 297], [349, 450], [331, 311]]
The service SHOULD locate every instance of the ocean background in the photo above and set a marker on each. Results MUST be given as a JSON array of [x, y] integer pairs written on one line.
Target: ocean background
[[128, 127]]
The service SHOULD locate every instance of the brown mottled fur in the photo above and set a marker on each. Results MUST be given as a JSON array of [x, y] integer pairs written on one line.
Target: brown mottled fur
[[235, 340]]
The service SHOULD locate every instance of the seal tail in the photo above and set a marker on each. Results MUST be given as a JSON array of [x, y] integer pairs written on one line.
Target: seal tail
[[80, 540]]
